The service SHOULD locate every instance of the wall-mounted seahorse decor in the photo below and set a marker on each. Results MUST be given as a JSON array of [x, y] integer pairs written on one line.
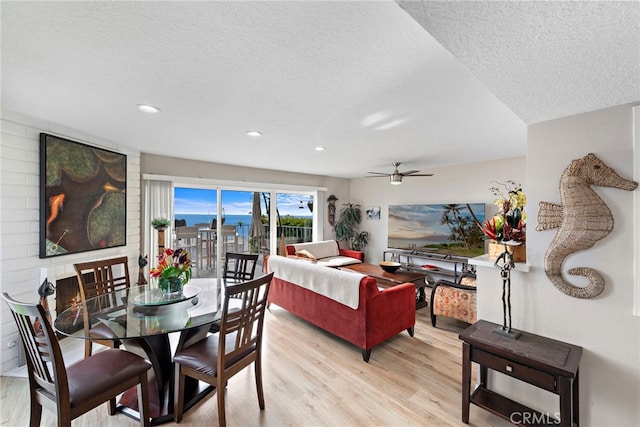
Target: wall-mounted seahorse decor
[[583, 218]]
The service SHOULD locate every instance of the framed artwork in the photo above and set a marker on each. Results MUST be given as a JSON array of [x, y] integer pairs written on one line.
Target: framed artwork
[[439, 228], [83, 197], [372, 212]]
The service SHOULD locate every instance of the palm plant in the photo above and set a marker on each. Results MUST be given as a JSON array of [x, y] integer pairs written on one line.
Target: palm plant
[[347, 227]]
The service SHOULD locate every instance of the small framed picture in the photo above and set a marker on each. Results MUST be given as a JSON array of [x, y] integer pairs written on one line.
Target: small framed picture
[[372, 212]]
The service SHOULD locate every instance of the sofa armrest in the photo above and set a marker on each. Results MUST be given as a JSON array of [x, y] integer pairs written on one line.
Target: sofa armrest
[[393, 306], [353, 254]]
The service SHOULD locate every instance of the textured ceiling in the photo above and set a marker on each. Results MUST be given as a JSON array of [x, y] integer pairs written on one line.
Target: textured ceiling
[[366, 80], [543, 59]]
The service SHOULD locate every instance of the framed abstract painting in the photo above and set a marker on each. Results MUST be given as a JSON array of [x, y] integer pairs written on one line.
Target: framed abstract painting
[[83, 197]]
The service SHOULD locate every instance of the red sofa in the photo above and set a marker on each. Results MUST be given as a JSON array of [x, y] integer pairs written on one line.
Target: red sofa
[[327, 252], [380, 314]]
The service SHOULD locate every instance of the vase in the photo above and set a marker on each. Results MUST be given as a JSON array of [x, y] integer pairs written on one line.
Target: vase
[[519, 253], [171, 285]]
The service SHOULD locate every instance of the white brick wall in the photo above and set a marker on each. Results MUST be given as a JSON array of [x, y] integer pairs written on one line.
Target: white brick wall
[[20, 265]]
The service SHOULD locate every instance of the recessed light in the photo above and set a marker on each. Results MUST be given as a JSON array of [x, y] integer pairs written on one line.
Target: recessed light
[[148, 108], [319, 148], [253, 133]]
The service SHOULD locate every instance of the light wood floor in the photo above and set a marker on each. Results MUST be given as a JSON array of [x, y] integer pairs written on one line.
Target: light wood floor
[[312, 378]]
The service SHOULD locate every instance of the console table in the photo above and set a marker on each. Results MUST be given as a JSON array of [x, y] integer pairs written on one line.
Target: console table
[[545, 363]]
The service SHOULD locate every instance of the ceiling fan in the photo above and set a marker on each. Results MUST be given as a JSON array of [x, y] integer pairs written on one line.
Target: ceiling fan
[[395, 177]]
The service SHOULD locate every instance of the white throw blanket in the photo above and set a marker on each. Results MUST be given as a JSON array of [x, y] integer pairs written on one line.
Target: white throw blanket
[[340, 286]]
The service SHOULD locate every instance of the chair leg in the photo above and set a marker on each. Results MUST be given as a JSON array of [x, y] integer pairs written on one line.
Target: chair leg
[[36, 412], [178, 398], [410, 330], [366, 354], [87, 348], [220, 392], [112, 406], [433, 320], [143, 400], [64, 417], [258, 371]]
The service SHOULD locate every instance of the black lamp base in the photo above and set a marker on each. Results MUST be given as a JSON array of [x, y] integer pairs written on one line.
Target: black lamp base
[[511, 334]]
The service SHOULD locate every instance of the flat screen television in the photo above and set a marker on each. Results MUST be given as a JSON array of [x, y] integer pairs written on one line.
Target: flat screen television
[[437, 228]]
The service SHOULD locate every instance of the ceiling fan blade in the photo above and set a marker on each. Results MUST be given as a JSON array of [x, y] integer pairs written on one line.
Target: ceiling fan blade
[[379, 173], [378, 176], [420, 174], [411, 172]]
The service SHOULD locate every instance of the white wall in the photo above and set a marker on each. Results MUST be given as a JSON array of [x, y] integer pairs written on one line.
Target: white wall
[[20, 265], [604, 326]]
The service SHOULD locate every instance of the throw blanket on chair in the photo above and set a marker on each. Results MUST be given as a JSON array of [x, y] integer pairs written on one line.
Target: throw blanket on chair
[[340, 286]]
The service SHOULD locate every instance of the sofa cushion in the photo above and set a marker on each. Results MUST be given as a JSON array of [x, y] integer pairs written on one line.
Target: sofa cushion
[[324, 249]]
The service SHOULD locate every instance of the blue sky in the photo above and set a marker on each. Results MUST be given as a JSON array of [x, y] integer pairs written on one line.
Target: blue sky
[[203, 202]]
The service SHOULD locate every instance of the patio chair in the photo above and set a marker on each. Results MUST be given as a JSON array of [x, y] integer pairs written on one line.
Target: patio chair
[[189, 238]]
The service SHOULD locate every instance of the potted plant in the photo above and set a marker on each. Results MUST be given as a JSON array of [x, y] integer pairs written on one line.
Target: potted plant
[[160, 223], [347, 227]]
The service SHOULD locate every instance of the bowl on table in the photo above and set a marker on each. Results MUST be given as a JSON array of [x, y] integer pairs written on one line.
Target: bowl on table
[[390, 266]]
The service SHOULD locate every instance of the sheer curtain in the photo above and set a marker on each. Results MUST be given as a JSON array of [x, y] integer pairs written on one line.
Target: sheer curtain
[[157, 203]]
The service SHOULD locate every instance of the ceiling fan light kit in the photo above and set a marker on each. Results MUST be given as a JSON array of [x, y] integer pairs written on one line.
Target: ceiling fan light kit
[[395, 177]]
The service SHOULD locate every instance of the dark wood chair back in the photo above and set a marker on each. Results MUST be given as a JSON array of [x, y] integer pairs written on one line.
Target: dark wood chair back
[[236, 346], [102, 278], [239, 267], [90, 383]]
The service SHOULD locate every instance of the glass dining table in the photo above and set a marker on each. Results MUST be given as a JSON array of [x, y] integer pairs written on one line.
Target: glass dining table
[[153, 326]]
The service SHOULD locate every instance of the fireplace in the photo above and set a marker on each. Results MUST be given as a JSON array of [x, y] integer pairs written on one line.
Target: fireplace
[[68, 294]]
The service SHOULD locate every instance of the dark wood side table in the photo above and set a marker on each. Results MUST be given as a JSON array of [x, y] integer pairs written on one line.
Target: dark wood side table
[[548, 364]]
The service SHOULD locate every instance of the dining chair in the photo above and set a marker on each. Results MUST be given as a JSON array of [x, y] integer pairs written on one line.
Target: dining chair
[[238, 344], [74, 390], [96, 278], [239, 267]]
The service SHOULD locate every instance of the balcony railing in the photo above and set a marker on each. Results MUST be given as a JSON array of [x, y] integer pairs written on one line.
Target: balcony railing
[[292, 234]]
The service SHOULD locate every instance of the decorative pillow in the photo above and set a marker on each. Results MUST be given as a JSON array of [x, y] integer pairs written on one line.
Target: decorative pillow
[[323, 249], [303, 253]]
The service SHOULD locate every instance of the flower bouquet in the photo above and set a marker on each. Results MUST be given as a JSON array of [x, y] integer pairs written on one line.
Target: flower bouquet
[[173, 270], [508, 225]]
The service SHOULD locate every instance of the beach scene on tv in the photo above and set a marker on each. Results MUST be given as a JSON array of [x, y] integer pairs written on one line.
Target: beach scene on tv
[[437, 228]]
